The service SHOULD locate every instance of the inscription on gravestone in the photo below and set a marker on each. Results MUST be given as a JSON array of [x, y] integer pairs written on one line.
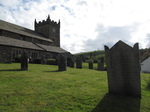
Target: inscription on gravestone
[[62, 63], [123, 69], [24, 60]]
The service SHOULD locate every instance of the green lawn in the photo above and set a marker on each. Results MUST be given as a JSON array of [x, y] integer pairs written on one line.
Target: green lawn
[[43, 89]]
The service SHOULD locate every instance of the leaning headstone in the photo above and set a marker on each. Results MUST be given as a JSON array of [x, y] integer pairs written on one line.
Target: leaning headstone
[[62, 63], [24, 60], [79, 62], [90, 64], [101, 64], [123, 69]]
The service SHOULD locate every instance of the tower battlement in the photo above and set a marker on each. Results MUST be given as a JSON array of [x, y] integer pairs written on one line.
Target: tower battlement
[[47, 21]]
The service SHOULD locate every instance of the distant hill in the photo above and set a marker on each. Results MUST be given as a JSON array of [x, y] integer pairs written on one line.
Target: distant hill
[[144, 53], [92, 55], [98, 52]]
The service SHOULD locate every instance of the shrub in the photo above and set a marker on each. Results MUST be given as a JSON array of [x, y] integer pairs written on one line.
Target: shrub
[[51, 62], [95, 61], [87, 58], [18, 58], [37, 61], [89, 61]]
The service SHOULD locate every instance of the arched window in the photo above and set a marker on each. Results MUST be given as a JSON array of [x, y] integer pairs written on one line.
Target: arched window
[[14, 52]]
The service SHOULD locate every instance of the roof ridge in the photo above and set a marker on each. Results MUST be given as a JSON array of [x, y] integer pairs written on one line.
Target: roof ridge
[[16, 25], [39, 46]]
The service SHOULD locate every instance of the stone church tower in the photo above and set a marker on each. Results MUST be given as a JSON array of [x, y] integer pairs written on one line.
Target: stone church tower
[[49, 29]]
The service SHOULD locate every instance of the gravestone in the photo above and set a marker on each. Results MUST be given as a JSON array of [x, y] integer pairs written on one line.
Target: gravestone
[[71, 63], [79, 62], [123, 69], [101, 64], [90, 64], [62, 63], [24, 60]]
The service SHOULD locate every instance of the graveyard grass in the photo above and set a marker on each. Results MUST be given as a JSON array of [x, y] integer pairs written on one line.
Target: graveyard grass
[[44, 89]]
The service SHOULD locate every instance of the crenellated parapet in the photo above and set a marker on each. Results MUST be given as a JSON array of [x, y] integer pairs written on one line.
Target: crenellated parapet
[[48, 21]]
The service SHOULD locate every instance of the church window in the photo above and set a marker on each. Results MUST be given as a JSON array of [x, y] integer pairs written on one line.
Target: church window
[[34, 55], [48, 55], [17, 52], [14, 53]]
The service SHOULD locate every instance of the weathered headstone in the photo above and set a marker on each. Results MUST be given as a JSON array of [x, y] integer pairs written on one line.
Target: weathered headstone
[[24, 60], [71, 63], [62, 63], [101, 64], [91, 64], [79, 62], [123, 69]]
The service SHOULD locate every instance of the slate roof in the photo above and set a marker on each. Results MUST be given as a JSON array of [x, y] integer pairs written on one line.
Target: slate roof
[[52, 48], [29, 45], [21, 30], [18, 43]]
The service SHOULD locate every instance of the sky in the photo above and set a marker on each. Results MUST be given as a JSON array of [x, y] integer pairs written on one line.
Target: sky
[[86, 25]]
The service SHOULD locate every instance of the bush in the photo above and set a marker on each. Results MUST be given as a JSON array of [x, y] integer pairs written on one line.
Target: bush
[[95, 61], [37, 61], [17, 58], [51, 62], [89, 61], [87, 58]]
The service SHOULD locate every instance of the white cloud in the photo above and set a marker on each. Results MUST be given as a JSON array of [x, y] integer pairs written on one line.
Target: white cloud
[[110, 35], [12, 3], [85, 24]]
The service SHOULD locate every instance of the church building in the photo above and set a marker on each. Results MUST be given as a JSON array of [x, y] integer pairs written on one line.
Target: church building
[[41, 43]]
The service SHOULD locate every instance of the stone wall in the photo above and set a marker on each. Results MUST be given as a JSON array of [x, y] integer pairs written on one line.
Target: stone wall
[[5, 54]]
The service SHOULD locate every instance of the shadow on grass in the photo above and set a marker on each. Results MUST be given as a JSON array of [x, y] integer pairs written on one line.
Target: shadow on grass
[[10, 70], [53, 71], [115, 103]]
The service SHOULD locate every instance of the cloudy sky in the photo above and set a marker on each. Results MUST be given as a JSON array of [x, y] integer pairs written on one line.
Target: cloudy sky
[[86, 25]]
